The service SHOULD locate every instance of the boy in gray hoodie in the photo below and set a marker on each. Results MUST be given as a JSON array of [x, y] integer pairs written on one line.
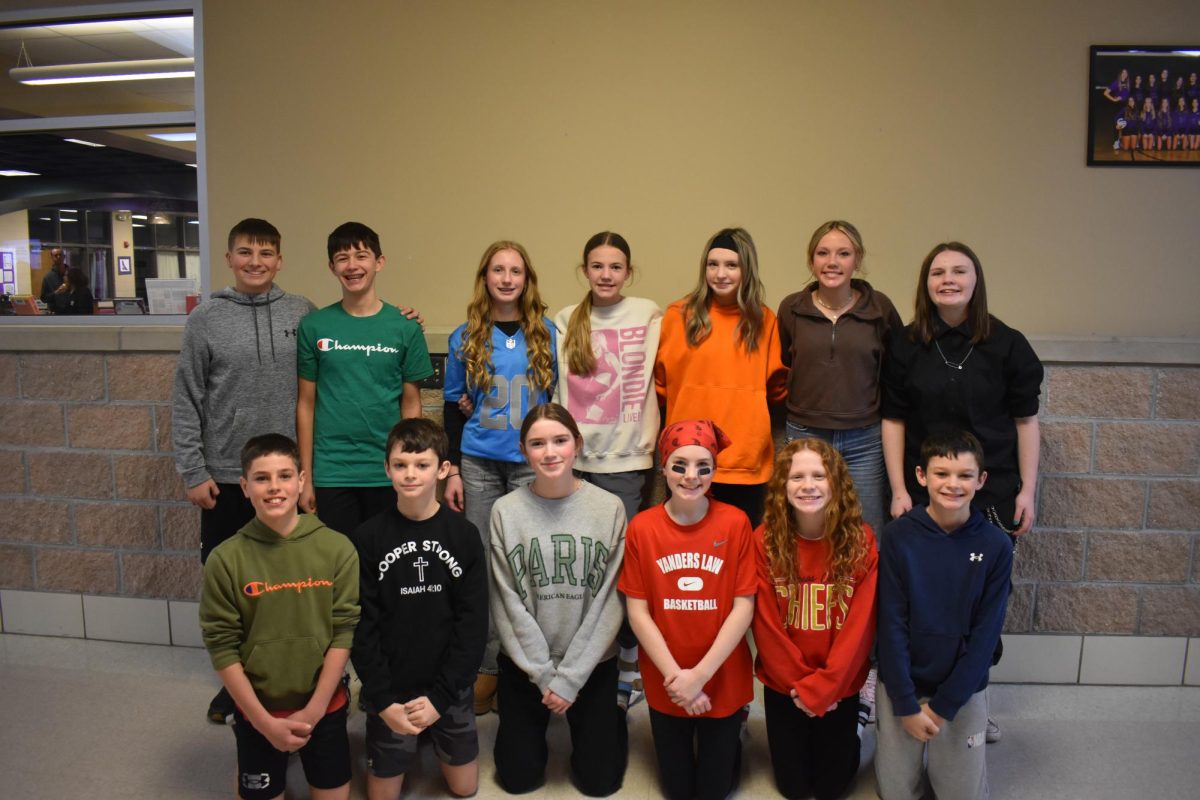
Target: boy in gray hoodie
[[235, 378]]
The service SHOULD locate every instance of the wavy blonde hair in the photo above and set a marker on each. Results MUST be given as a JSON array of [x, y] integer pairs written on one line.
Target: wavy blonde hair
[[577, 347], [697, 325], [844, 532], [476, 350]]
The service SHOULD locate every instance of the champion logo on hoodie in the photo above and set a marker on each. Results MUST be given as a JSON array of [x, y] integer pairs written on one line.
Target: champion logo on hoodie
[[327, 345], [255, 588]]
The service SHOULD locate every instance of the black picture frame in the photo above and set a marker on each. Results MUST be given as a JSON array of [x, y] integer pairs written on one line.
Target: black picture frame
[[1109, 143]]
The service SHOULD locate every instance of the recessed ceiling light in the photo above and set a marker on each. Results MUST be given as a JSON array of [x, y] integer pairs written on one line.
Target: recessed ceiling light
[[81, 141], [45, 219], [17, 173], [102, 71], [174, 137]]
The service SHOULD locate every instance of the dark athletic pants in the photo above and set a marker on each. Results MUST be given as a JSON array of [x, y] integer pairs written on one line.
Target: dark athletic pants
[[599, 737], [698, 757], [812, 756]]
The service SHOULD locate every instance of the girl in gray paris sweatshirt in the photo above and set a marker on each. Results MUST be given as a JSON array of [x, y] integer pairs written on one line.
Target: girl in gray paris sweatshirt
[[556, 551]]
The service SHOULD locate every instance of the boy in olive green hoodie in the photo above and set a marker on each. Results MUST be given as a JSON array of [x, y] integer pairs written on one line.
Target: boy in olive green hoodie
[[278, 612]]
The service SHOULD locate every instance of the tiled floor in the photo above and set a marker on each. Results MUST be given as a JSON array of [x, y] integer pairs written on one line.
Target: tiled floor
[[123, 721]]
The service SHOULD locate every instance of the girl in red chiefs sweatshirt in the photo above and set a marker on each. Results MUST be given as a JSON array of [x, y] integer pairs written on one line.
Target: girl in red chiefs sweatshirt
[[814, 618]]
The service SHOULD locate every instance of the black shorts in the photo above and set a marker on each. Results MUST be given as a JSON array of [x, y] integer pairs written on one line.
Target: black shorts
[[454, 738], [262, 770]]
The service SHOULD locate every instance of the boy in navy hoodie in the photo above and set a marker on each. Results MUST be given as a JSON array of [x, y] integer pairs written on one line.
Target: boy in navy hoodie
[[944, 578]]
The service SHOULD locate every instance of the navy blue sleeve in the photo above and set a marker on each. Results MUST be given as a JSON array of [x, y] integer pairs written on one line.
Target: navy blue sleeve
[[892, 634]]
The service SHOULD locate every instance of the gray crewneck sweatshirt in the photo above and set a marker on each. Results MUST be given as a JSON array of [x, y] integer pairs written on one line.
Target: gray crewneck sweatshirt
[[235, 378], [554, 599]]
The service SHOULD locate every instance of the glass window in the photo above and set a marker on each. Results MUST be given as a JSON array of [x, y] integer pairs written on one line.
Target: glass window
[[110, 178]]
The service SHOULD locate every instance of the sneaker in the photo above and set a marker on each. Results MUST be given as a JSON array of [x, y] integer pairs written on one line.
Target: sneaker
[[992, 734], [221, 708], [629, 694], [485, 693], [866, 697]]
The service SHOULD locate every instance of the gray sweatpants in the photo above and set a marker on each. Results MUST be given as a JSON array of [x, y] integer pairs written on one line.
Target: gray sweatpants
[[957, 768]]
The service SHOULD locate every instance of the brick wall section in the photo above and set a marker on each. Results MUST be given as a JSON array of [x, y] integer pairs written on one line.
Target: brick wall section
[[89, 498], [1115, 547], [91, 503]]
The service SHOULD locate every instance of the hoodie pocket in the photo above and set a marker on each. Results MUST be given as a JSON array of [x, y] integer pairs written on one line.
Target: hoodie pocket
[[285, 667], [934, 655], [229, 440]]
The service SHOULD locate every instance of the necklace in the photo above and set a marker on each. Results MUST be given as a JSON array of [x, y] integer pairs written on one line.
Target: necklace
[[837, 312], [948, 362]]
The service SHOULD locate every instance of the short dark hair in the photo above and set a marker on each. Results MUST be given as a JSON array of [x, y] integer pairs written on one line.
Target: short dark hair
[[268, 444], [349, 235], [553, 412], [417, 435], [950, 444], [258, 231]]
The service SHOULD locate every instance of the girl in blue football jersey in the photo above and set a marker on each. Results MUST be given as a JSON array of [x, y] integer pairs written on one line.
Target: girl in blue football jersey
[[500, 364]]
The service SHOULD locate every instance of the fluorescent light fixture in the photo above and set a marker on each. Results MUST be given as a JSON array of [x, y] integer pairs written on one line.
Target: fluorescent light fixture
[[140, 216], [68, 211], [82, 142], [103, 71], [193, 166], [67, 219], [138, 225], [16, 173], [193, 222], [174, 137], [45, 219]]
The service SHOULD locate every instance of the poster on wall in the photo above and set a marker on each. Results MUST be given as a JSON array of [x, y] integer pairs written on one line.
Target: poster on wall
[[1144, 106], [124, 265], [8, 272]]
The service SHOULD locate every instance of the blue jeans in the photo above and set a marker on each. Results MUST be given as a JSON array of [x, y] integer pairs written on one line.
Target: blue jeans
[[485, 481], [862, 449]]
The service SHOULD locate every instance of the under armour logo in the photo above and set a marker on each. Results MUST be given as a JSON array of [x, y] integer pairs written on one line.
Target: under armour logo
[[977, 556], [289, 332]]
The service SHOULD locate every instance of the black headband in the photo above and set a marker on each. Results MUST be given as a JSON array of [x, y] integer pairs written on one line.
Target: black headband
[[724, 241]]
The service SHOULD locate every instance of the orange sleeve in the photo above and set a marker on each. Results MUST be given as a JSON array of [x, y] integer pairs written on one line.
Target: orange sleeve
[[670, 335], [630, 582], [781, 660], [777, 373], [847, 657]]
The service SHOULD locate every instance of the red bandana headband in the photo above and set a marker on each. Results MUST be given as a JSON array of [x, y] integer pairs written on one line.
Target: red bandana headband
[[701, 432]]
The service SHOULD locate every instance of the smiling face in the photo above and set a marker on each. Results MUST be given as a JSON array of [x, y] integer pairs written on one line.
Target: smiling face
[[606, 270], [254, 265], [951, 285], [723, 274], [689, 472], [356, 268], [415, 476], [505, 279], [272, 483], [834, 260], [808, 489], [550, 447], [952, 483]]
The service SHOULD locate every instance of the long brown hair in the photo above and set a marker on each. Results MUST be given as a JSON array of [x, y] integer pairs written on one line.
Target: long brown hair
[[577, 346], [697, 325], [844, 533], [978, 319], [476, 350]]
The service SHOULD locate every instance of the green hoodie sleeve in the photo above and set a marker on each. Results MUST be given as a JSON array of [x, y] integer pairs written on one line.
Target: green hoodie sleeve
[[220, 617], [345, 599]]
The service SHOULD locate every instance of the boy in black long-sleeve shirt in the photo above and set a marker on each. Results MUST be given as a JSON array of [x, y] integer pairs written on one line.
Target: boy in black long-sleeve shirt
[[944, 577], [424, 620]]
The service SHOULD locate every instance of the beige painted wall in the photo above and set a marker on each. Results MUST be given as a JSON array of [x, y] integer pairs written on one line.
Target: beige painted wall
[[448, 125]]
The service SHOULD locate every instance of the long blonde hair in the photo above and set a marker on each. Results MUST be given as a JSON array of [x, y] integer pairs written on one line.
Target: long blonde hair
[[577, 347], [476, 350], [844, 533], [697, 325]]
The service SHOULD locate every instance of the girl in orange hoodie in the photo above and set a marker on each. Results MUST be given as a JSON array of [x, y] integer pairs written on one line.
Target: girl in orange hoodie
[[814, 619], [719, 359]]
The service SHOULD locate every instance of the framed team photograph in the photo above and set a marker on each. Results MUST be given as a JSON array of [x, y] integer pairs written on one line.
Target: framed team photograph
[[1144, 106]]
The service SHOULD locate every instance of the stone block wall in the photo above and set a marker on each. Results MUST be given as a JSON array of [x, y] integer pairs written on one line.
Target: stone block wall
[[90, 501], [1115, 546]]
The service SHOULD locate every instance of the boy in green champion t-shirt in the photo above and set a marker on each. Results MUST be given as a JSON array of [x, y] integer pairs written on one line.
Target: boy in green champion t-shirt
[[359, 363]]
